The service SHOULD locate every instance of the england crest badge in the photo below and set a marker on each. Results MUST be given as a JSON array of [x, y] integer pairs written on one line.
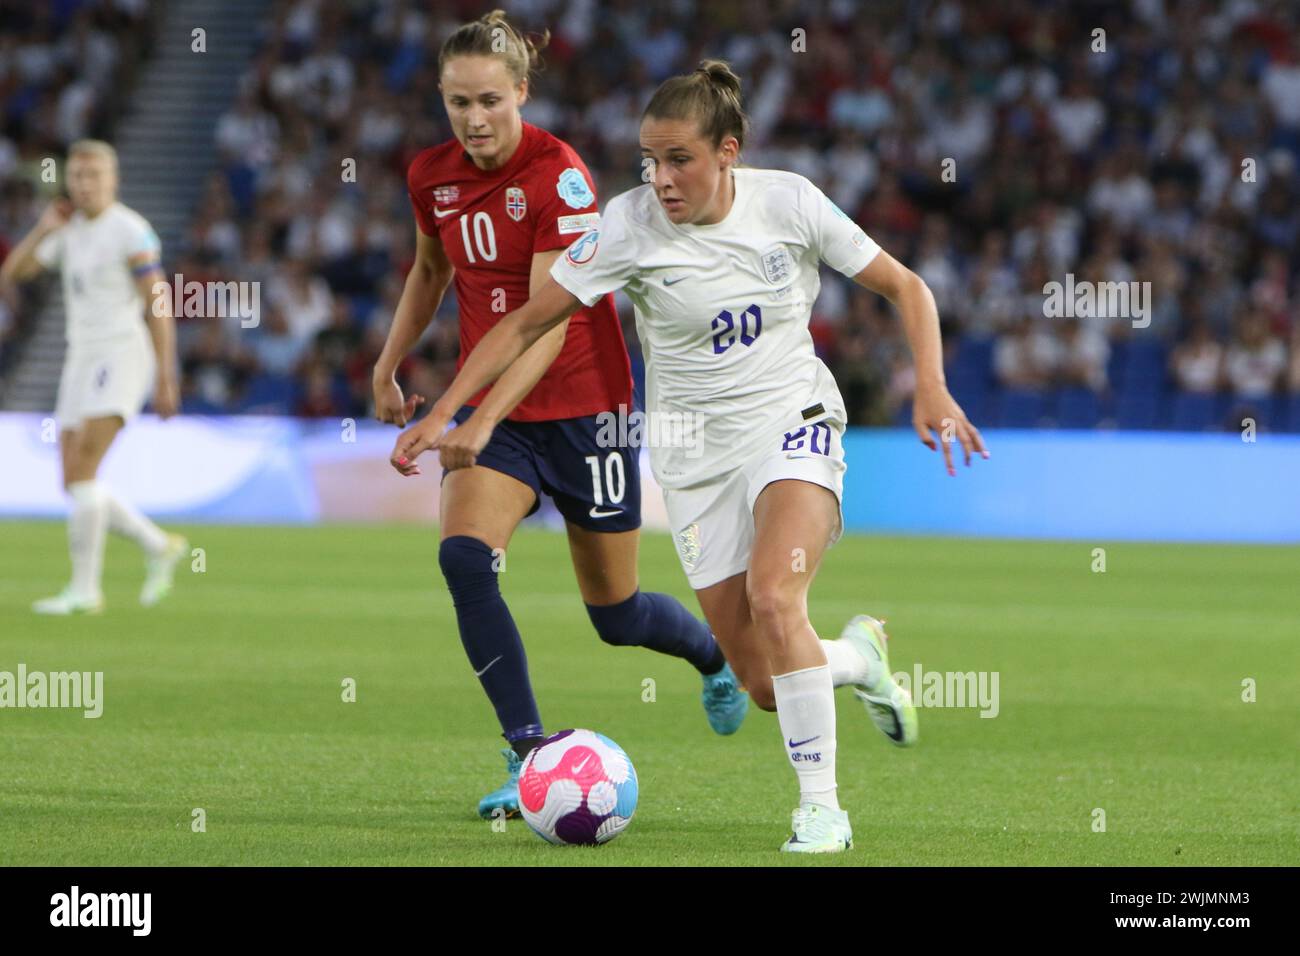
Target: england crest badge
[[777, 265], [688, 544]]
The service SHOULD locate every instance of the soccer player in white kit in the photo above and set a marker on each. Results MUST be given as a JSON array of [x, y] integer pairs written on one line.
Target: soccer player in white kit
[[721, 264], [121, 342]]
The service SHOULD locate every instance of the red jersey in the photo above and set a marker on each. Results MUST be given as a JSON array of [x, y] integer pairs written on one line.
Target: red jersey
[[491, 222]]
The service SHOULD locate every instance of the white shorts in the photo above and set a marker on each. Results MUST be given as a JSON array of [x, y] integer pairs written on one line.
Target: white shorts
[[713, 522], [111, 378]]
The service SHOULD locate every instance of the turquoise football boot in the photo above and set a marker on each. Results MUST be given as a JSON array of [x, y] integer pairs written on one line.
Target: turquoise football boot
[[506, 796], [725, 704]]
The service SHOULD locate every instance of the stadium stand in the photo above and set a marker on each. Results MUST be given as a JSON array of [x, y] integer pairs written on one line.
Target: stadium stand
[[1169, 158]]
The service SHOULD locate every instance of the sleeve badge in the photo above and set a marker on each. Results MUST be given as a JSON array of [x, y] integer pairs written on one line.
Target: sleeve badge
[[573, 189]]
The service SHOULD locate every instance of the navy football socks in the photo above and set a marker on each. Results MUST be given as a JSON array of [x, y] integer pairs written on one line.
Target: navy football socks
[[661, 623], [490, 638]]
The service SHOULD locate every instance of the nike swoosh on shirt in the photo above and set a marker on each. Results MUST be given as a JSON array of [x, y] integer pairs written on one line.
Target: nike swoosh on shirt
[[486, 666], [675, 281], [441, 213], [602, 514]]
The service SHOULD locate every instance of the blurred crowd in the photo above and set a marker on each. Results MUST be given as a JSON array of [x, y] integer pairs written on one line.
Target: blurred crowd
[[66, 70], [993, 147]]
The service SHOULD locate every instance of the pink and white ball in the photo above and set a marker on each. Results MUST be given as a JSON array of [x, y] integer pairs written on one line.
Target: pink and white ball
[[577, 787]]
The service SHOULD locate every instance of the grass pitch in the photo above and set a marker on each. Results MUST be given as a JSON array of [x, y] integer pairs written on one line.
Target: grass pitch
[[1119, 692]]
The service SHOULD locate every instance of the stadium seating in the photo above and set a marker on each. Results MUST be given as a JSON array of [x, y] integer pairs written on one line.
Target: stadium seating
[[269, 395], [261, 192], [1290, 418], [1021, 408], [1194, 412], [1115, 364], [970, 377], [1269, 413], [1078, 408], [1144, 364], [1137, 408]]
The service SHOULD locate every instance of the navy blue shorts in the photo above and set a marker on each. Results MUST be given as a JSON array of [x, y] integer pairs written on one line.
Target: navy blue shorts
[[594, 487]]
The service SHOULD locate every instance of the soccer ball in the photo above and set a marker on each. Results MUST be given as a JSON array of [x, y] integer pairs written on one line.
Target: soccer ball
[[579, 787]]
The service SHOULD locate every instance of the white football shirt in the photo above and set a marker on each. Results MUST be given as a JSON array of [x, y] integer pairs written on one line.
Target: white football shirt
[[722, 312], [99, 292]]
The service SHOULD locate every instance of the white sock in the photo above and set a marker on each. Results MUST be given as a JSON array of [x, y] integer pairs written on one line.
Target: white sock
[[805, 708], [87, 529], [847, 665], [125, 520]]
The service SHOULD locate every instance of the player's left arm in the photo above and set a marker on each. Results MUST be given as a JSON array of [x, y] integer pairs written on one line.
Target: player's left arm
[[156, 293], [462, 445], [933, 408]]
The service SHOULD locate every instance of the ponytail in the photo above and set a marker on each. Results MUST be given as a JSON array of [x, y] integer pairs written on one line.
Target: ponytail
[[493, 35], [710, 96]]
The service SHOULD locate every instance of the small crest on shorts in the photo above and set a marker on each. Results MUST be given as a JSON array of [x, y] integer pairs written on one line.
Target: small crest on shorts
[[776, 265], [446, 195], [516, 204], [688, 544]]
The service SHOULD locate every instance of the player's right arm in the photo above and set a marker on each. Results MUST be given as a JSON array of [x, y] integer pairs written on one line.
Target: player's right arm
[[22, 263], [425, 285], [590, 268], [494, 354]]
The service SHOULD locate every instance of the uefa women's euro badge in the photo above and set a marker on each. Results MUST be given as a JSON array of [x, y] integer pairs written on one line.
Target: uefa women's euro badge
[[573, 189]]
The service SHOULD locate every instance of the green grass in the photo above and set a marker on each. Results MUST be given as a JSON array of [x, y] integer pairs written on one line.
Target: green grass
[[1120, 691]]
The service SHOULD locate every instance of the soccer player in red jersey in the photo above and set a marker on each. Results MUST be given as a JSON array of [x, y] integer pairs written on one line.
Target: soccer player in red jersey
[[494, 208]]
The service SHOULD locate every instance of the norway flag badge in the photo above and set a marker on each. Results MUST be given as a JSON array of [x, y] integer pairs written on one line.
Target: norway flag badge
[[516, 204]]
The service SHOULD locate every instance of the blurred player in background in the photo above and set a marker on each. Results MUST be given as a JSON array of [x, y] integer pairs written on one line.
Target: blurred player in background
[[494, 208], [722, 265], [121, 341]]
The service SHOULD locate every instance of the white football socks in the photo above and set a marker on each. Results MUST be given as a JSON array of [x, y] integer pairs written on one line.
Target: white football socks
[[87, 529], [126, 521], [847, 665], [805, 709], [96, 511]]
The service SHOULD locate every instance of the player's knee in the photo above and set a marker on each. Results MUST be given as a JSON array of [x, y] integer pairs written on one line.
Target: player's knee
[[618, 624], [773, 605], [73, 471], [75, 476], [470, 568]]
